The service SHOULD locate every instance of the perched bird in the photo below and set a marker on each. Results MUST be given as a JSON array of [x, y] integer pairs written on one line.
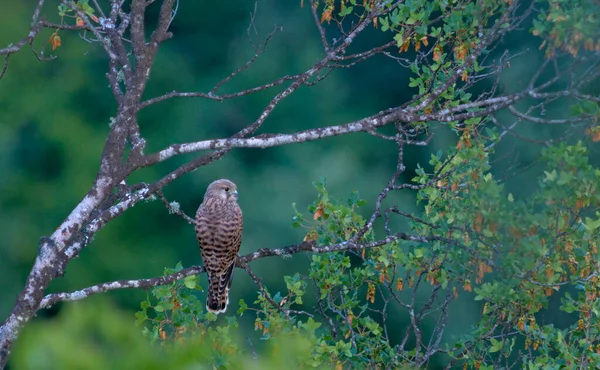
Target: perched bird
[[219, 232]]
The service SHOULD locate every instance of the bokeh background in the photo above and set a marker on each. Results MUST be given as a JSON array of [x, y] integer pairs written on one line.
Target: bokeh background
[[54, 119]]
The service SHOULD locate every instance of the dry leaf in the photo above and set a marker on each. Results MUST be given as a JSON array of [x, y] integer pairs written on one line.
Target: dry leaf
[[371, 293], [326, 16], [55, 41], [399, 284]]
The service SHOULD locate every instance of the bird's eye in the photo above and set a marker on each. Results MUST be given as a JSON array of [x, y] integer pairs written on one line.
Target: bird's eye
[[226, 189]]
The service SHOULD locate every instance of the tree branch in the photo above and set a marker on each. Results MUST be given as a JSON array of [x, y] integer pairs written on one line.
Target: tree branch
[[33, 31], [266, 140], [544, 121], [212, 96], [54, 298]]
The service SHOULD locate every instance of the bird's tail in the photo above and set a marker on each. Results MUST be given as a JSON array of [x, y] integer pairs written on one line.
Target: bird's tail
[[218, 291]]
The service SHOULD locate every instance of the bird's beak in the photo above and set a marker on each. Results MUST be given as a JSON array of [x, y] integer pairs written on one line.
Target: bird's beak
[[235, 194]]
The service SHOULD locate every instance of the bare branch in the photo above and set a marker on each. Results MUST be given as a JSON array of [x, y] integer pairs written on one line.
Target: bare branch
[[313, 9], [219, 98], [544, 121], [33, 30], [258, 50], [174, 208]]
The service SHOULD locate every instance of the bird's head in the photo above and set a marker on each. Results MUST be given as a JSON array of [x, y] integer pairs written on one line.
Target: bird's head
[[222, 189]]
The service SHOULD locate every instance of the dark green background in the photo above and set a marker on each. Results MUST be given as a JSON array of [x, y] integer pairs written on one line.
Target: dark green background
[[54, 118]]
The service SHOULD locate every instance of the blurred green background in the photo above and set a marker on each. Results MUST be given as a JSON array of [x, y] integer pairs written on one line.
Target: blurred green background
[[54, 119]]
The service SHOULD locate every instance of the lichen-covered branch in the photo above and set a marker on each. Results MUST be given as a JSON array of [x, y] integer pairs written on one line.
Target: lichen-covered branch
[[54, 298]]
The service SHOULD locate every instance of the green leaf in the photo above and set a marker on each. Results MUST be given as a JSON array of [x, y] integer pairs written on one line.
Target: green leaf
[[311, 326], [162, 292], [496, 345], [190, 281], [551, 176], [592, 224], [385, 24], [399, 38], [63, 10], [346, 11], [361, 202], [141, 317]]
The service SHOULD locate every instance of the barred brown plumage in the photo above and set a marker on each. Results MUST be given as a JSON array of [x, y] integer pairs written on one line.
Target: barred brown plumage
[[219, 231]]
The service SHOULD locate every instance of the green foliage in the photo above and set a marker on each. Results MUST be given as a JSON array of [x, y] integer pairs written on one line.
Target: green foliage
[[176, 306], [514, 254], [333, 220], [174, 324], [80, 5], [96, 335], [569, 25], [446, 45], [536, 247]]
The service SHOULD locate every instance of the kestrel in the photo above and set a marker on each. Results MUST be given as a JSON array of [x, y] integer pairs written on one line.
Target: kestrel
[[219, 232]]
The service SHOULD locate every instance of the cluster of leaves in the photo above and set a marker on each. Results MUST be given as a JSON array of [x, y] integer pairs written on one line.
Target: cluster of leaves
[[333, 221], [80, 5], [568, 25], [536, 247], [176, 314], [441, 36], [449, 36], [345, 283], [65, 10]]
